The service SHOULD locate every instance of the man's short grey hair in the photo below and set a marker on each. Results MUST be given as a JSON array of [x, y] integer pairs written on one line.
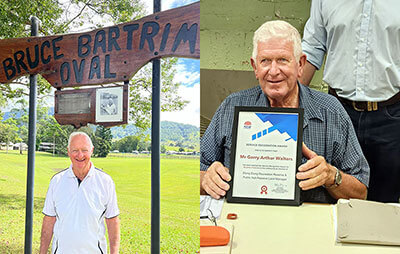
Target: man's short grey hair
[[277, 29], [79, 133]]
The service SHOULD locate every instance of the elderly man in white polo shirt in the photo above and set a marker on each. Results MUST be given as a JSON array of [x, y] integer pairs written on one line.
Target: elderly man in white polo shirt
[[77, 201]]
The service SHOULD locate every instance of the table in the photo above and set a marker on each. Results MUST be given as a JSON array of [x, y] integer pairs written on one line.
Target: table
[[308, 228]]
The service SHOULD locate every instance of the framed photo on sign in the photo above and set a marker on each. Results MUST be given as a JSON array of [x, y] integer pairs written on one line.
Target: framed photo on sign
[[109, 104], [266, 152]]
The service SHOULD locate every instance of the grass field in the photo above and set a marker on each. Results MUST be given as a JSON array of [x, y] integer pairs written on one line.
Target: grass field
[[179, 200]]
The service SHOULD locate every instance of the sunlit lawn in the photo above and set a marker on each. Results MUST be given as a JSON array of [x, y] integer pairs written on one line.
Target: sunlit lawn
[[132, 177]]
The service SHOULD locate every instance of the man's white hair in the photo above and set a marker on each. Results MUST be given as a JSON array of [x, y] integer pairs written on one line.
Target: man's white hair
[[277, 29], [79, 133]]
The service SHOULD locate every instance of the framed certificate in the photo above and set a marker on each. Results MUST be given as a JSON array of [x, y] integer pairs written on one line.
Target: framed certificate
[[266, 152]]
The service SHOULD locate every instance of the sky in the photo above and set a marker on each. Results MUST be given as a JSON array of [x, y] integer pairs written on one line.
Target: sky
[[167, 4], [188, 74]]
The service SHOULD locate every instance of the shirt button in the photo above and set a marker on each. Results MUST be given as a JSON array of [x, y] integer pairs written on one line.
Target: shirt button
[[359, 89], [360, 64]]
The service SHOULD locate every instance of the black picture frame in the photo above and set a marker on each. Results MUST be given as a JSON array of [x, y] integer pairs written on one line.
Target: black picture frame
[[296, 201]]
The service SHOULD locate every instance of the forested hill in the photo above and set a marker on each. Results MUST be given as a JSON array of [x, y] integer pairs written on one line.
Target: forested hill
[[172, 134], [170, 131]]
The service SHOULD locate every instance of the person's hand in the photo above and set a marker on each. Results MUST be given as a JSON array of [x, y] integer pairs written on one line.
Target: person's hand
[[315, 172], [214, 180]]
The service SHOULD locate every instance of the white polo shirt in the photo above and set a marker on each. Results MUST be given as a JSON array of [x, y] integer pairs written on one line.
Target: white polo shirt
[[80, 210]]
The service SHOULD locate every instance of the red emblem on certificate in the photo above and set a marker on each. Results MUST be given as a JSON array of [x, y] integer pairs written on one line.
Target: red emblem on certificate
[[264, 189]]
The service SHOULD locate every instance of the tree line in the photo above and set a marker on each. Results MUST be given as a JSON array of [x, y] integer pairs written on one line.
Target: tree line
[[14, 129]]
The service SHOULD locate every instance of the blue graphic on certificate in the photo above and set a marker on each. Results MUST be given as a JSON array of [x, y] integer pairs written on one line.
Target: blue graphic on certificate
[[265, 160]]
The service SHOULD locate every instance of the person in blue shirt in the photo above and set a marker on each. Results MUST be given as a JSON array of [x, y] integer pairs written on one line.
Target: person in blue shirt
[[360, 40]]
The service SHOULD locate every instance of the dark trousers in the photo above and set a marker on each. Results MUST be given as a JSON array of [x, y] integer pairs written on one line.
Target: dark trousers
[[379, 135]]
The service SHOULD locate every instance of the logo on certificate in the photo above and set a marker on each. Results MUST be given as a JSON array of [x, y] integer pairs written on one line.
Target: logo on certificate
[[247, 125], [264, 189]]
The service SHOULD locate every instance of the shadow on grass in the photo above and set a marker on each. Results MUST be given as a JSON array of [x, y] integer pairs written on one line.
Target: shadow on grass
[[17, 202]]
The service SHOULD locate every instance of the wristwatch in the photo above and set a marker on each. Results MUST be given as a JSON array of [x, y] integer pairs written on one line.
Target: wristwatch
[[338, 179]]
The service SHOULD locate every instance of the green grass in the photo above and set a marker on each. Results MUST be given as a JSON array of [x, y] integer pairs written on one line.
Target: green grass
[[132, 177]]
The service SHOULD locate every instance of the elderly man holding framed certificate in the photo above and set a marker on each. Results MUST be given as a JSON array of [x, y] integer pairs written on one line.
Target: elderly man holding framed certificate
[[281, 142]]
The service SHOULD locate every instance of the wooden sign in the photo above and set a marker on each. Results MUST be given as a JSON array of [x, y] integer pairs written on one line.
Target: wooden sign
[[105, 106], [105, 55]]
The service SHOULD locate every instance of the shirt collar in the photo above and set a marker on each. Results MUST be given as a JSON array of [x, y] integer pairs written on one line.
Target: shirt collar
[[90, 173], [262, 99], [305, 101]]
